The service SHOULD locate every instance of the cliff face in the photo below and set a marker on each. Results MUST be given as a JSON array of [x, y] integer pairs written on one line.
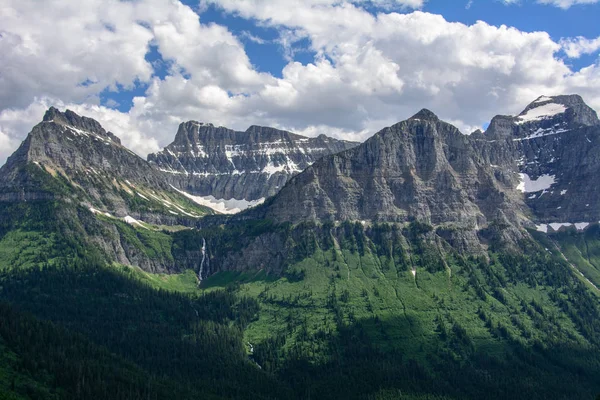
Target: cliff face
[[421, 169], [99, 188], [205, 160], [69, 156], [554, 143], [424, 169], [537, 169]]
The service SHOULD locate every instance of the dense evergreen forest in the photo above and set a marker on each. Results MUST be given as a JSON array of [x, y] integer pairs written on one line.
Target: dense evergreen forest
[[75, 327]]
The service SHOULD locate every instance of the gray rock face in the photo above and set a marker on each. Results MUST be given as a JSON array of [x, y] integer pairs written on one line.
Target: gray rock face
[[207, 160], [91, 167], [555, 143], [536, 168], [421, 169], [545, 113], [72, 160]]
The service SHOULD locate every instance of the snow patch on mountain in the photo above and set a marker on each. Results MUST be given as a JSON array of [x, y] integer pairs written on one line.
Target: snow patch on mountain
[[133, 221], [229, 206], [81, 132], [543, 132], [541, 112], [95, 211], [555, 226], [528, 185], [289, 167]]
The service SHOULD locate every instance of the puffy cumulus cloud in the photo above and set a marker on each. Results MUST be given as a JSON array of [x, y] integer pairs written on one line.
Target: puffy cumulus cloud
[[73, 50], [387, 66], [210, 54], [370, 70], [576, 47], [70, 50]]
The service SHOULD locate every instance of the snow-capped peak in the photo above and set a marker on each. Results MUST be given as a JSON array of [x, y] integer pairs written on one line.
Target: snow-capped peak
[[545, 110]]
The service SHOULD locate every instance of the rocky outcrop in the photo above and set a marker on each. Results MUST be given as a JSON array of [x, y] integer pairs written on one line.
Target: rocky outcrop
[[554, 143], [72, 157], [537, 169], [421, 169], [73, 162], [205, 160]]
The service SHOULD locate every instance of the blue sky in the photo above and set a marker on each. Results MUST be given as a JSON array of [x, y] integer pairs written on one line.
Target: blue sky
[[269, 56], [345, 68]]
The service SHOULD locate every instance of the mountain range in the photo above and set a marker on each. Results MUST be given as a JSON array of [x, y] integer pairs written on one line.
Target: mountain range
[[424, 263], [238, 168]]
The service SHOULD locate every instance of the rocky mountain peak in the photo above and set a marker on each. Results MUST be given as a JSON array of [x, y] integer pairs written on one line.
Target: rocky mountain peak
[[267, 134], [188, 133], [72, 120], [545, 115], [570, 109], [239, 165], [425, 115], [421, 169]]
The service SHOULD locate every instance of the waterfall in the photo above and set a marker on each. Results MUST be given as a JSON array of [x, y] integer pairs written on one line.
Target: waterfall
[[204, 258]]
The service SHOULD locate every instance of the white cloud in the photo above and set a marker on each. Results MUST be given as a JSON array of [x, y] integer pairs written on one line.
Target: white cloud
[[369, 71], [576, 47], [566, 3], [376, 67], [70, 50]]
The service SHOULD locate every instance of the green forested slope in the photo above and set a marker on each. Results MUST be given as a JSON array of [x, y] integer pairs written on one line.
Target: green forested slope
[[347, 318], [350, 319]]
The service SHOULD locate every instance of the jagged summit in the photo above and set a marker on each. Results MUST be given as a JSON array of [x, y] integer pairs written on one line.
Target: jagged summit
[[570, 108], [425, 115], [542, 172], [546, 114], [207, 124], [414, 170], [68, 156], [227, 164], [78, 123]]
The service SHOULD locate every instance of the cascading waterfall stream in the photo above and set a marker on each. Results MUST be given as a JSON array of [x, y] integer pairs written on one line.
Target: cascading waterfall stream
[[204, 258]]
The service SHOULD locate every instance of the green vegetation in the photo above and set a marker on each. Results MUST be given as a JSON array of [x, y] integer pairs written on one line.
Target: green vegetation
[[22, 249], [186, 282], [351, 319], [147, 200], [582, 249], [153, 244], [188, 346], [343, 316]]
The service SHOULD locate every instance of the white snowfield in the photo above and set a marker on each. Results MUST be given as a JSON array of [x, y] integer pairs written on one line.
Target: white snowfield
[[95, 211], [230, 206], [541, 112], [541, 133], [81, 132], [555, 226], [527, 185], [133, 221]]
